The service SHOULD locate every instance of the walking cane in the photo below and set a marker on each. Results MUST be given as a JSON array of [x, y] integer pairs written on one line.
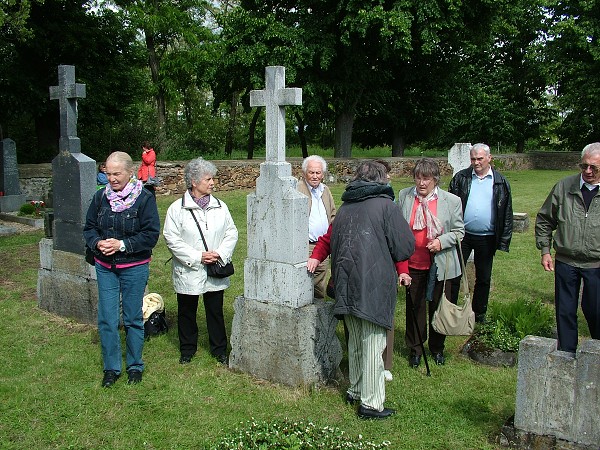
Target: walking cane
[[418, 330]]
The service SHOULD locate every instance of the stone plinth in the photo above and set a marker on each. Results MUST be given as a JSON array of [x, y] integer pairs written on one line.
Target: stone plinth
[[67, 284], [558, 393], [291, 346], [520, 222]]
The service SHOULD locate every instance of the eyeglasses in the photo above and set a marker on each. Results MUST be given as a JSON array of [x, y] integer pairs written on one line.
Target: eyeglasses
[[594, 168]]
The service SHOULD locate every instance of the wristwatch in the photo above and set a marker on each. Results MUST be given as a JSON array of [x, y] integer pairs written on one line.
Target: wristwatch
[[122, 247]]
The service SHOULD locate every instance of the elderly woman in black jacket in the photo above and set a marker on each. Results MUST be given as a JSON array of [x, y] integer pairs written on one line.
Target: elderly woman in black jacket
[[369, 233]]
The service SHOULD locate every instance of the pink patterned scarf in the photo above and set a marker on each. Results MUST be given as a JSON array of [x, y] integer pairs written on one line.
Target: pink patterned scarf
[[424, 217], [125, 198]]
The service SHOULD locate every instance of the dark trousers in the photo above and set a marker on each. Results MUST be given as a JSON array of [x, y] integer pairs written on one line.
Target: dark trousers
[[484, 248], [187, 307], [567, 284], [415, 298]]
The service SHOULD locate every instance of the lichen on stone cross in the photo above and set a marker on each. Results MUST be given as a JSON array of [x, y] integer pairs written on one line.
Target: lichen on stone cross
[[274, 98]]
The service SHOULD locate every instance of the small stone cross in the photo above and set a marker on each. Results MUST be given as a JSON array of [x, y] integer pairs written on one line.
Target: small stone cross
[[67, 92], [274, 97]]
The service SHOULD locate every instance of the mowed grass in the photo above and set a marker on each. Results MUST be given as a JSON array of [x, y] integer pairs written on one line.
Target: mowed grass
[[50, 377]]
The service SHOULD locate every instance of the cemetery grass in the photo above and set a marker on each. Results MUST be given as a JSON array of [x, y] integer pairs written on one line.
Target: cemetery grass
[[51, 371]]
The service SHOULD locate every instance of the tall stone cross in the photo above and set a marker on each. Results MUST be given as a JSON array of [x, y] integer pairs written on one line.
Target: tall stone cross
[[73, 173], [279, 331], [274, 98], [67, 92]]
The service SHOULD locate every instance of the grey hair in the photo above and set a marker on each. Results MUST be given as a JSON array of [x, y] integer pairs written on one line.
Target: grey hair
[[427, 167], [480, 146], [121, 157], [316, 158], [196, 169], [593, 148], [371, 171]]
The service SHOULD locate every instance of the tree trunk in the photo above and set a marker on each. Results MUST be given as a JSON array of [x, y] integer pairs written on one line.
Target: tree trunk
[[398, 144], [231, 124], [344, 123], [520, 146], [251, 130], [301, 134], [154, 63]]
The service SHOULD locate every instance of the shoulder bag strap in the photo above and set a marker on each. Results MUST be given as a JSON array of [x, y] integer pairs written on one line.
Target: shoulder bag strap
[[199, 229]]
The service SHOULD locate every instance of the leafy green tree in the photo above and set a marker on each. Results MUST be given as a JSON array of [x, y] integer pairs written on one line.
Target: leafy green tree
[[575, 54], [178, 45], [107, 61]]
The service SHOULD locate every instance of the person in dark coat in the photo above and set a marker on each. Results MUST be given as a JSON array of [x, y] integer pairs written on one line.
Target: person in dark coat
[[369, 233]]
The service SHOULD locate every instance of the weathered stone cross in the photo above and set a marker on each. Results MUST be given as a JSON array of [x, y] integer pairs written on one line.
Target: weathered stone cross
[[274, 98], [67, 92]]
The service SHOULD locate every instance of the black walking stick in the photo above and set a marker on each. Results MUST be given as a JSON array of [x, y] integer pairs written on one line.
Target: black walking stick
[[418, 330]]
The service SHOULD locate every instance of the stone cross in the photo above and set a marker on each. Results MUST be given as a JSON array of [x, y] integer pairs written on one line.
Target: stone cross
[[73, 173], [274, 98], [279, 332], [67, 92]]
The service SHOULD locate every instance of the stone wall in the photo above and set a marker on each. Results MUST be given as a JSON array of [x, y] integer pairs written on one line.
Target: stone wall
[[36, 179]]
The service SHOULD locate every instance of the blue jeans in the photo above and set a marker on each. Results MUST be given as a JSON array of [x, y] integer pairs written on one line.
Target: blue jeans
[[116, 288]]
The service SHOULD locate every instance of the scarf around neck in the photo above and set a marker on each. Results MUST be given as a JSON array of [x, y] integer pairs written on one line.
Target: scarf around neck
[[424, 218], [124, 199]]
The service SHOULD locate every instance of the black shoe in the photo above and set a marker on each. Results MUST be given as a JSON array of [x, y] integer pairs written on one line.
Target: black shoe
[[135, 377], [110, 378], [480, 317], [351, 400], [367, 413], [223, 359], [439, 359], [414, 361], [185, 359]]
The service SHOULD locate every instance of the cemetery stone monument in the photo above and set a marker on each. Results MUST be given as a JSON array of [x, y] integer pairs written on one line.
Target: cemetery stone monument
[[558, 394], [66, 283], [279, 331], [11, 198], [459, 157]]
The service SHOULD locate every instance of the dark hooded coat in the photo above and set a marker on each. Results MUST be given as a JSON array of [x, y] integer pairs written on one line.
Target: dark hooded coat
[[369, 234]]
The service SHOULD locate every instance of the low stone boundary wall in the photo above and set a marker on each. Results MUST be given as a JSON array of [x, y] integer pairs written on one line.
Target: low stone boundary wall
[[35, 179]]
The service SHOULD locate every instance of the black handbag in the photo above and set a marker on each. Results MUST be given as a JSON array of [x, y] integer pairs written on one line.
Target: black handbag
[[215, 270]]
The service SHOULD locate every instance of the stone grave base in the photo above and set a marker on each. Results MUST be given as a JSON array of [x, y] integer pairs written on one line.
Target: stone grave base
[[9, 203], [514, 438], [67, 284], [291, 346], [30, 221]]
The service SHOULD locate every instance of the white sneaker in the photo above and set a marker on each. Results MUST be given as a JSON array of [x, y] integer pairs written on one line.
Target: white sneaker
[[387, 375]]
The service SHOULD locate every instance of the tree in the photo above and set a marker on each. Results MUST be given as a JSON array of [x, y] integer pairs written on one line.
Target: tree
[[106, 60], [574, 51]]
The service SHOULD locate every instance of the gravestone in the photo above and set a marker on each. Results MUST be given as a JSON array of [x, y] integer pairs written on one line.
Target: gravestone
[[459, 157], [11, 198], [558, 393], [279, 332], [66, 283]]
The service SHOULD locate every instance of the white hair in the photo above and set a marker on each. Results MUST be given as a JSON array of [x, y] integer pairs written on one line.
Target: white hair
[[480, 146], [593, 148], [316, 158]]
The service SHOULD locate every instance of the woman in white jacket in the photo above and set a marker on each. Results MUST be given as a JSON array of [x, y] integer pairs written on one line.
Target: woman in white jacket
[[199, 209]]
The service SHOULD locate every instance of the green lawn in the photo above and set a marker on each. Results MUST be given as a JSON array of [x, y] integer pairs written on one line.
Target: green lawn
[[50, 377]]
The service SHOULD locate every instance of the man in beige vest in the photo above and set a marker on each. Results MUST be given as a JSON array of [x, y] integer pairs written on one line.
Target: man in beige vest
[[321, 209]]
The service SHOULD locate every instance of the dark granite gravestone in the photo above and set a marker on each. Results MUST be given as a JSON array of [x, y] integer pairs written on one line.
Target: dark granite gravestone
[[73, 173], [11, 198], [66, 283]]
